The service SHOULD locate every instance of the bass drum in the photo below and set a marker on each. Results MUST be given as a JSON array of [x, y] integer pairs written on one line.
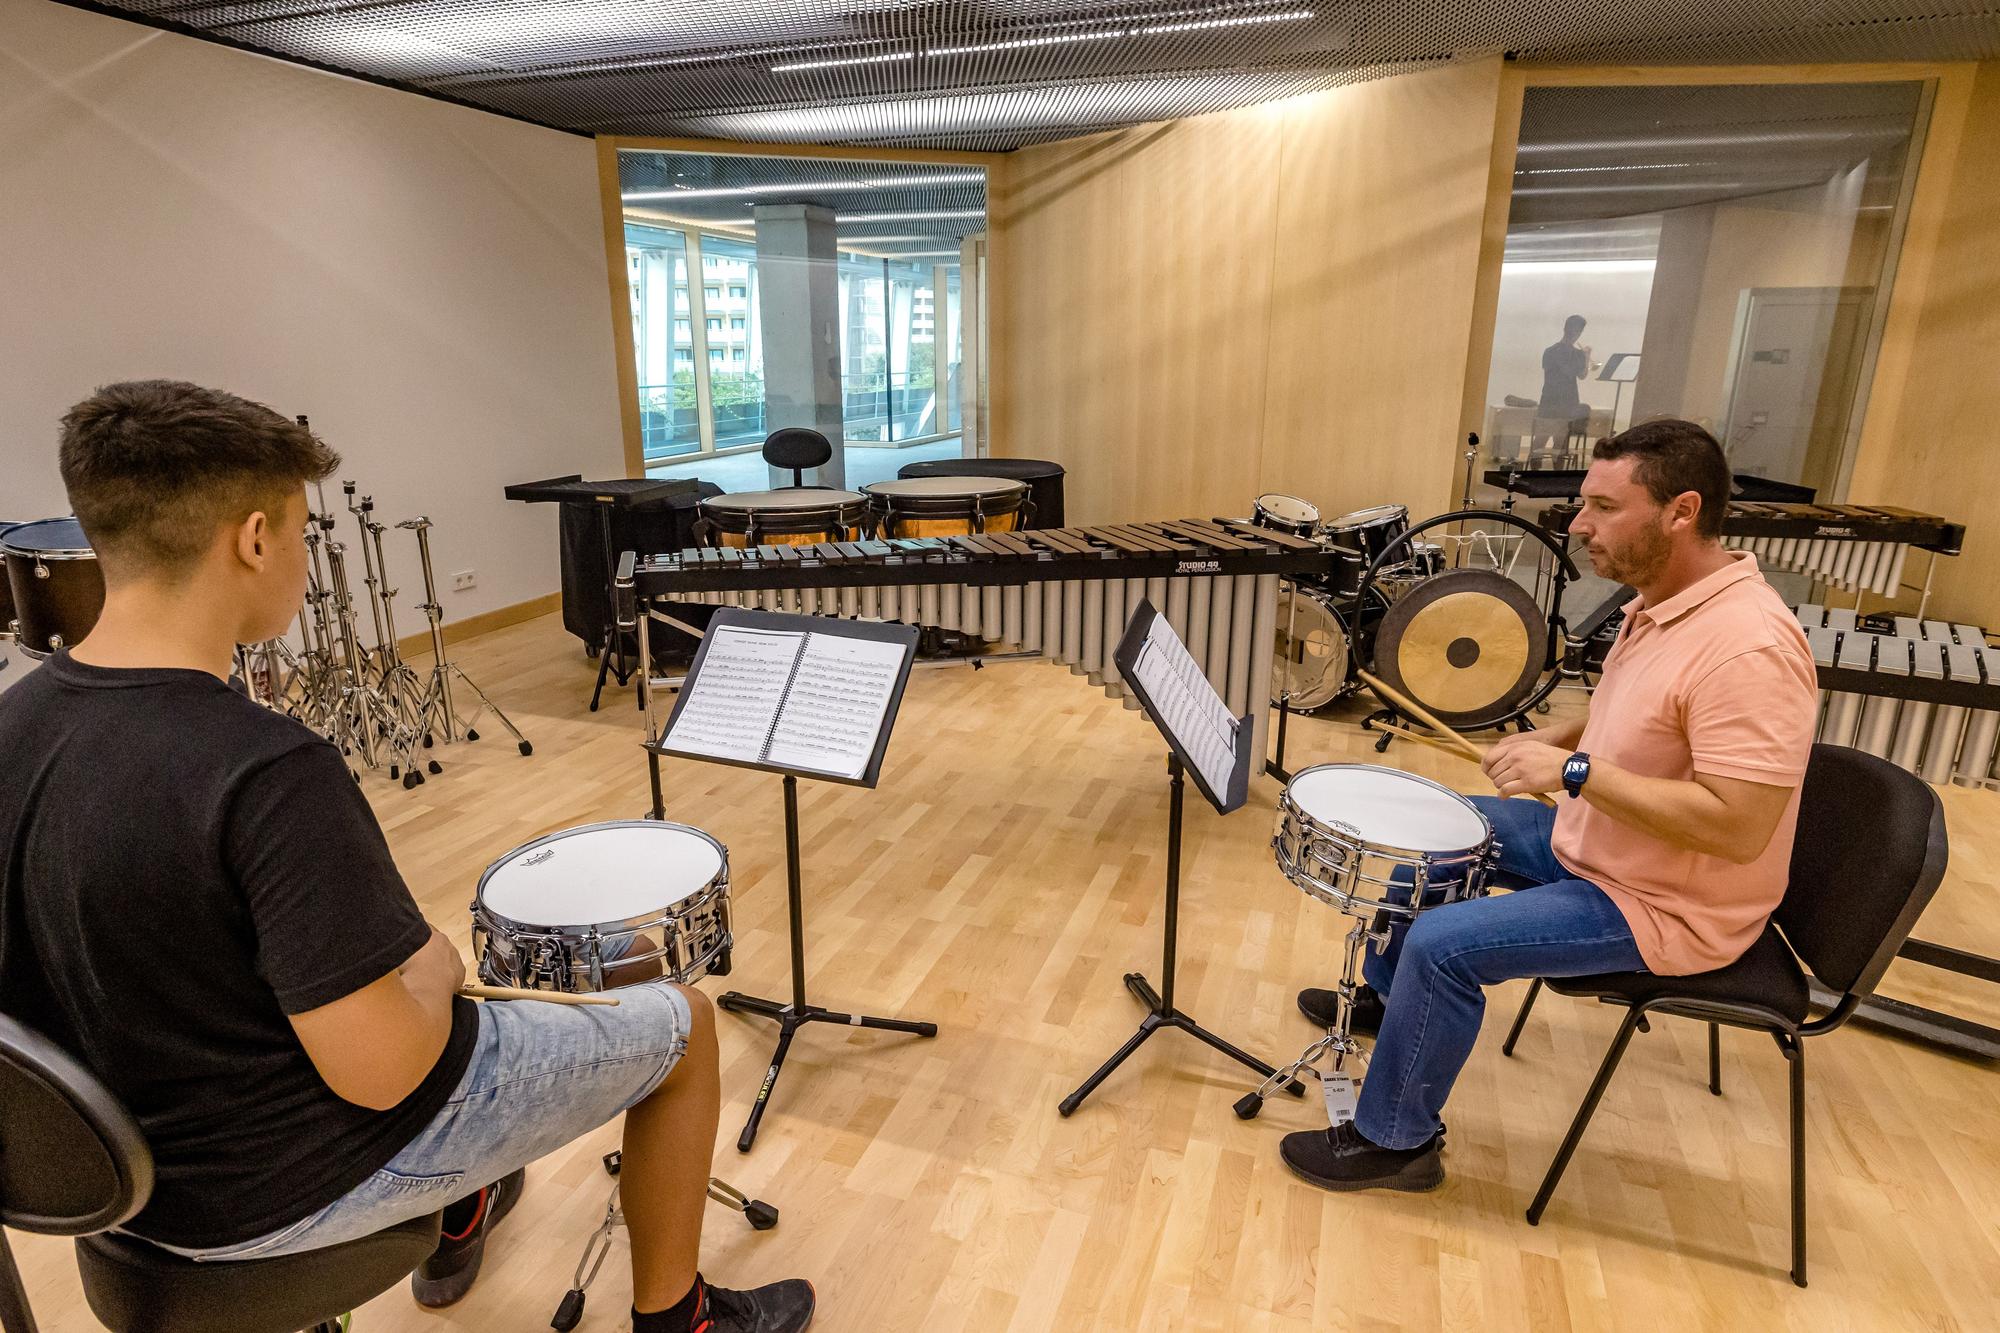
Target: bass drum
[[1315, 647]]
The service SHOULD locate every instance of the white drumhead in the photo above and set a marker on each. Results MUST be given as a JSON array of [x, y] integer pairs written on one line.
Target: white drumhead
[[792, 498], [1289, 507], [600, 873], [1390, 808], [945, 487], [1369, 517]]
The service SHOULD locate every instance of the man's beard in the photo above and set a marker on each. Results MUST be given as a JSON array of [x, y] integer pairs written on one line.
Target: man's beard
[[1638, 561]]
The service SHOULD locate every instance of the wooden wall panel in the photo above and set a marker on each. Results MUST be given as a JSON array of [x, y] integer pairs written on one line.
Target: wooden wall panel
[[1928, 441], [1276, 298]]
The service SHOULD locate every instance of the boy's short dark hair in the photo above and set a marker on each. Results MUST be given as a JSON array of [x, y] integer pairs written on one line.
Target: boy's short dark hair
[[1676, 456], [153, 467]]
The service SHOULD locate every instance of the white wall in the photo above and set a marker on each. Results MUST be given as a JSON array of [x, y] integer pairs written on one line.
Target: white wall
[[1535, 299], [426, 282]]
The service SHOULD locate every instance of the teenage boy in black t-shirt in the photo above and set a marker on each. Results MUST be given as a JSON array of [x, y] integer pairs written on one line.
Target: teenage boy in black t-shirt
[[196, 901]]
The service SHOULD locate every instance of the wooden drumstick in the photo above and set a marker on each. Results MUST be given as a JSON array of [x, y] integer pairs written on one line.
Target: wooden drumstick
[[1446, 736], [474, 991]]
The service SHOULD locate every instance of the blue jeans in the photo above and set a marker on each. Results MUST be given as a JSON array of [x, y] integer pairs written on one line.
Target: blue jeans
[[1431, 973]]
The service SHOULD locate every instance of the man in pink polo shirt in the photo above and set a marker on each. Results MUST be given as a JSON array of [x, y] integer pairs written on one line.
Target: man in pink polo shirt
[[1669, 848]]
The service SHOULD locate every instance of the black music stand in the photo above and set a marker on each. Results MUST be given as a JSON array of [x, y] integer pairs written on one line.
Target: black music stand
[[799, 1011], [1160, 1009], [601, 497]]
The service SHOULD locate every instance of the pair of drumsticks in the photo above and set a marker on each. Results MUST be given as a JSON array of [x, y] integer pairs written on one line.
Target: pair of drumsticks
[[1446, 739]]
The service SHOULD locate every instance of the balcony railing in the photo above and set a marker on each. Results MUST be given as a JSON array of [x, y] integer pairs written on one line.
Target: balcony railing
[[875, 408]]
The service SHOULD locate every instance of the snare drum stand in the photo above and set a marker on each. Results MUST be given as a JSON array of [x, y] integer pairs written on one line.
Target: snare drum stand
[[1160, 1010], [1336, 1083], [436, 712]]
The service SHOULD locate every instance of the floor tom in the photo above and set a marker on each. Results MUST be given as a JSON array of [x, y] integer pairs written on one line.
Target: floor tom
[[55, 584]]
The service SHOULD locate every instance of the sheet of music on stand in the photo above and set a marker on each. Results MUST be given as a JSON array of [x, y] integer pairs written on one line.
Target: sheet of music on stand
[[808, 701], [1188, 705]]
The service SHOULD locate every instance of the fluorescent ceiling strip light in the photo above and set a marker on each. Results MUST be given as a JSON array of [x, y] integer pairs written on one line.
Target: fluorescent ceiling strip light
[[1629, 166], [1053, 39], [922, 216], [1286, 16], [845, 60], [784, 187]]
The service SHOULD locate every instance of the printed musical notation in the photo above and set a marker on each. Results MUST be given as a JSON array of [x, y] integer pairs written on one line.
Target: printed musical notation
[[812, 702], [1187, 704]]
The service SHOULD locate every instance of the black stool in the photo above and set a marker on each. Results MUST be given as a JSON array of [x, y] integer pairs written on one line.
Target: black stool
[[797, 448], [73, 1163]]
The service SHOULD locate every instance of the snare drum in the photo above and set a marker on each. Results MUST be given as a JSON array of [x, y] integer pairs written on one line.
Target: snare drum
[[797, 516], [948, 506], [1345, 830], [559, 912], [1359, 538], [56, 584], [1286, 513]]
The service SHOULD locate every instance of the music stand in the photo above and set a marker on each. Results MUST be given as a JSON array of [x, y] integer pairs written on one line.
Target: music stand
[[1149, 633], [799, 1011], [1621, 370]]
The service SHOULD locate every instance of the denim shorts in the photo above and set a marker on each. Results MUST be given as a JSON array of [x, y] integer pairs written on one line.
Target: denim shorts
[[541, 1076]]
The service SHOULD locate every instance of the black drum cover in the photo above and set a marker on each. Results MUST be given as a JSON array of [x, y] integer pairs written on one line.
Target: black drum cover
[[1468, 644]]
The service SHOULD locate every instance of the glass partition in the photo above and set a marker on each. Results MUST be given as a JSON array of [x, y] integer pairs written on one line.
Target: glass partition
[[663, 341]]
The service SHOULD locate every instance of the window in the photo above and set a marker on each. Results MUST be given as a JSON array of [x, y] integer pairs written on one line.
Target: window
[[737, 291], [711, 291], [736, 323], [737, 391], [657, 260], [715, 324], [681, 331], [736, 354]]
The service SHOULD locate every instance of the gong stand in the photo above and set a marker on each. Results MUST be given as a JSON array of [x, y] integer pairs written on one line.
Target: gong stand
[[1565, 572]]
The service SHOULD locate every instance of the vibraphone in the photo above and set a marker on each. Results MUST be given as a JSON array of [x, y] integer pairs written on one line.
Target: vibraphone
[[1858, 548], [1926, 696], [1065, 593]]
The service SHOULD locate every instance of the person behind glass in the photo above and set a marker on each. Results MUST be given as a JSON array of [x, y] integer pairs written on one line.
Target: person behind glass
[[1670, 845], [297, 1055], [1562, 413]]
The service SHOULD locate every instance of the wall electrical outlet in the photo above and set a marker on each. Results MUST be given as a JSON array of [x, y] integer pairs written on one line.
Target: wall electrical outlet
[[464, 579]]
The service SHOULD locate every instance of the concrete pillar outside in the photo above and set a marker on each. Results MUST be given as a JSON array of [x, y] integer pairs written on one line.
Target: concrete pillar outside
[[798, 303]]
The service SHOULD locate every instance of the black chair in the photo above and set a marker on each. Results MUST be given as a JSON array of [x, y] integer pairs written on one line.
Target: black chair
[[73, 1163], [1869, 853], [797, 448]]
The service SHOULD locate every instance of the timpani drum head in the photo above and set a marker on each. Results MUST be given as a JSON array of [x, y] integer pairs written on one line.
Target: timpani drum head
[[789, 498], [601, 874], [946, 488], [1467, 644], [1390, 808]]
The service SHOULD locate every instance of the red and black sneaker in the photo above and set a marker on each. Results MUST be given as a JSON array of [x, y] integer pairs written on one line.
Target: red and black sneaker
[[780, 1307], [445, 1277]]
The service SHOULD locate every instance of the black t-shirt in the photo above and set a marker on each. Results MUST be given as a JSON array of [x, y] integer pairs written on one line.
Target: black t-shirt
[[183, 868]]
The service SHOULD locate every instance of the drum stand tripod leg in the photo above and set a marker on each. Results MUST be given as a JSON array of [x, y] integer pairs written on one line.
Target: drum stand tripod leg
[[1160, 1010], [1339, 1038]]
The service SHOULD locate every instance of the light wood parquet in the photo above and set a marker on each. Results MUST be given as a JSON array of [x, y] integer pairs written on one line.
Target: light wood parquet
[[1000, 881]]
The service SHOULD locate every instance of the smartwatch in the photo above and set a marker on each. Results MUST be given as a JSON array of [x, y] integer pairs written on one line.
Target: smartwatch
[[1576, 772]]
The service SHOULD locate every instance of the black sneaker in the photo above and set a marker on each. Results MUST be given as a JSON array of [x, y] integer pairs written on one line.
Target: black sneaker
[[780, 1307], [1341, 1159], [1321, 1006], [445, 1277]]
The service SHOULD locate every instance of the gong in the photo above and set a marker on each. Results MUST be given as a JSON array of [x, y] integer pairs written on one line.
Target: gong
[[1467, 644]]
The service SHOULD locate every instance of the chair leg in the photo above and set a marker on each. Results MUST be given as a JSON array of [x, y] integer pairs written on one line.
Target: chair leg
[[1583, 1114], [1796, 1054], [1521, 1019], [15, 1315], [1715, 1058]]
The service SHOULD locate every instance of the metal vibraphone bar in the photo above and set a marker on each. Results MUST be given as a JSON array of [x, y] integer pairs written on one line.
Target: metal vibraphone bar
[[1926, 698], [1857, 548], [1065, 593]]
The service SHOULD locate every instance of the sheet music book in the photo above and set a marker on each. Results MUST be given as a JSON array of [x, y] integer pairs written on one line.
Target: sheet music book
[[1184, 705], [797, 694]]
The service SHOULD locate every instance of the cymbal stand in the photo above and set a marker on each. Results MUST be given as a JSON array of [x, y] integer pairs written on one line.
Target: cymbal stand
[[379, 660], [436, 711], [401, 690]]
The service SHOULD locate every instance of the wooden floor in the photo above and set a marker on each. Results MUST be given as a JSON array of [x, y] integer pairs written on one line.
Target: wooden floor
[[1001, 880]]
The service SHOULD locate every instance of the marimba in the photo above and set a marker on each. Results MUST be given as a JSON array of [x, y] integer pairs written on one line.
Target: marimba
[[1065, 593]]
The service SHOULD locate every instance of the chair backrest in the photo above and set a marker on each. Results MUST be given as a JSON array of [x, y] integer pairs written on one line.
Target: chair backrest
[[1869, 853], [72, 1160], [797, 448]]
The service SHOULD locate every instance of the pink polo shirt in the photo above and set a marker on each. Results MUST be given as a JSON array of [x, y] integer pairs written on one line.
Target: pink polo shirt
[[1718, 679]]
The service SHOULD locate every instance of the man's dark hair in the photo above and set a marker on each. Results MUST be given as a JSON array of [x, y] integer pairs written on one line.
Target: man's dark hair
[[1574, 325], [153, 467], [1675, 456]]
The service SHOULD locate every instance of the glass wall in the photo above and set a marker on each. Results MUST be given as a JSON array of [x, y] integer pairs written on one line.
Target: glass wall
[[663, 340], [1714, 253], [885, 299]]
